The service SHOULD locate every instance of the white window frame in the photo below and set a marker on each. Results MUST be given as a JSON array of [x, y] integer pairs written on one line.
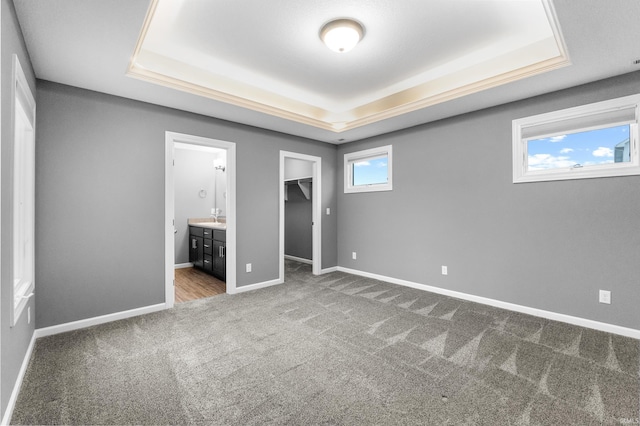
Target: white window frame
[[593, 116], [23, 244], [368, 154]]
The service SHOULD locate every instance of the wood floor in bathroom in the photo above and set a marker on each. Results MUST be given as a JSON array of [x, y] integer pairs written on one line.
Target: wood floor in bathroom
[[194, 284]]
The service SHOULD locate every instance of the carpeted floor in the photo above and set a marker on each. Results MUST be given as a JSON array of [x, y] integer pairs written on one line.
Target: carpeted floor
[[333, 349]]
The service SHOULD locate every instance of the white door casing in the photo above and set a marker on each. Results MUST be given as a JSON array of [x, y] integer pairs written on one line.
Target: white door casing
[[170, 139], [316, 207]]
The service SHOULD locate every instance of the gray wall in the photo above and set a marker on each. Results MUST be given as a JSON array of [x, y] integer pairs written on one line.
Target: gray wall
[[15, 341], [298, 215], [100, 212], [547, 245], [193, 171], [221, 184]]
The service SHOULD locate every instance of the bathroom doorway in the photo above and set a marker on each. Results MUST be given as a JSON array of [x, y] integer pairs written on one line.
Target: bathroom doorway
[[200, 216], [200, 192]]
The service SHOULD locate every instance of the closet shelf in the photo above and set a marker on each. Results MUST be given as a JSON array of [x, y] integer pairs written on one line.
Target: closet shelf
[[304, 184]]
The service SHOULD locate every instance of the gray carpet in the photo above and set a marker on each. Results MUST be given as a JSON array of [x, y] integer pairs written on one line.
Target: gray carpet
[[334, 349]]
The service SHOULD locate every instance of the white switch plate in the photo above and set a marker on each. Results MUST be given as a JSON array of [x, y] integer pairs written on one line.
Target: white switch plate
[[353, 255], [605, 297], [28, 314], [444, 270], [248, 267], [328, 211]]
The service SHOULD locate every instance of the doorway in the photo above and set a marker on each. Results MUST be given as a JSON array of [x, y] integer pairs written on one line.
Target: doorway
[[225, 154], [200, 192], [305, 173]]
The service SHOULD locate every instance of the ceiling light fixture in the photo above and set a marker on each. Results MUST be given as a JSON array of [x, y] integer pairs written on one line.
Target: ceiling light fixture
[[341, 35]]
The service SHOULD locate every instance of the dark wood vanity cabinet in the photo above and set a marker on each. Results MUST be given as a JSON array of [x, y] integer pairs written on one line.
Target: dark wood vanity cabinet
[[220, 254], [207, 250], [196, 247]]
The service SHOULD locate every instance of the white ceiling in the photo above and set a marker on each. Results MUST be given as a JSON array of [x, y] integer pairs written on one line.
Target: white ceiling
[[270, 54]]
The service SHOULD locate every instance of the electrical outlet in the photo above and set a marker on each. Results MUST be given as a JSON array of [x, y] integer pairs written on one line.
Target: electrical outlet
[[444, 270], [28, 314], [354, 256], [248, 267], [328, 211], [605, 297]]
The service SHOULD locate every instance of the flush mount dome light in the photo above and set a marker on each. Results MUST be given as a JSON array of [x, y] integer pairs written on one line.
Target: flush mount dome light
[[341, 35]]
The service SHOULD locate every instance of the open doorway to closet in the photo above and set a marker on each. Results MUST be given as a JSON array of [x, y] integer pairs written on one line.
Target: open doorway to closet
[[300, 212]]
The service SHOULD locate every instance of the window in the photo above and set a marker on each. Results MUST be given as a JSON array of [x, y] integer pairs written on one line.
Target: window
[[23, 192], [368, 170], [595, 140]]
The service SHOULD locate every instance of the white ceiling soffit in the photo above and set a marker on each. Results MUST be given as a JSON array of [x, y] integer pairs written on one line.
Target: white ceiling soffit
[[272, 49], [269, 58]]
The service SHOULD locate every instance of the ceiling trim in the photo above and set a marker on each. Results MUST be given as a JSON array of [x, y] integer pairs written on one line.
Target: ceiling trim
[[195, 89], [459, 92], [433, 92]]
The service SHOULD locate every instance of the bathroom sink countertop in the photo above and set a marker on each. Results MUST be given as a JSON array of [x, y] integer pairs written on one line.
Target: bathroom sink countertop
[[210, 225]]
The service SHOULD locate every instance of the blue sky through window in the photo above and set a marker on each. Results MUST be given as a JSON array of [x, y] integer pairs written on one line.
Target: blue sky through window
[[588, 148], [371, 171]]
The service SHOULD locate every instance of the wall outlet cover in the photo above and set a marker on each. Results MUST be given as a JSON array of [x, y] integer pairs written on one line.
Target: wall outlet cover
[[354, 256], [605, 297], [248, 267], [445, 270]]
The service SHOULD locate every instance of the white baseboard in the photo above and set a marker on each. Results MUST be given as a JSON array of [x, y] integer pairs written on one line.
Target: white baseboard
[[18, 384], [582, 322], [329, 270], [257, 286], [182, 265], [299, 259], [76, 325]]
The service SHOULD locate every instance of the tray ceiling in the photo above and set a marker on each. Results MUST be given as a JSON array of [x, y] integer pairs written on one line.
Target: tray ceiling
[[414, 55], [263, 64]]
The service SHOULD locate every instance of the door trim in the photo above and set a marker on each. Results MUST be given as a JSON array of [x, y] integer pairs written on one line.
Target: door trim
[[316, 207], [169, 263]]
